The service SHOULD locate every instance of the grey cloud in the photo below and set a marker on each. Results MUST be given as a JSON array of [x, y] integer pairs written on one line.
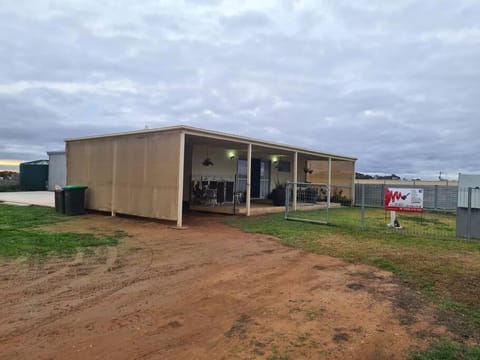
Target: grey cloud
[[36, 130], [359, 80], [250, 19], [204, 2]]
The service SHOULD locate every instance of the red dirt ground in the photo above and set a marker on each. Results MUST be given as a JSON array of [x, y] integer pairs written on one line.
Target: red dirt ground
[[208, 292]]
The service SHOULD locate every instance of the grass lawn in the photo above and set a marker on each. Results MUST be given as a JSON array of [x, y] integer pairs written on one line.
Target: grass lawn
[[8, 187], [19, 235], [445, 270], [434, 224], [445, 350]]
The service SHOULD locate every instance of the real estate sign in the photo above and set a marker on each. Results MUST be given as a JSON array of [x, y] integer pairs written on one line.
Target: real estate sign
[[406, 200]]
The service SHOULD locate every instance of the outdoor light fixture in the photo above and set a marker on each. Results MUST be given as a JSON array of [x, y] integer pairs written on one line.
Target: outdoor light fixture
[[207, 161], [307, 170]]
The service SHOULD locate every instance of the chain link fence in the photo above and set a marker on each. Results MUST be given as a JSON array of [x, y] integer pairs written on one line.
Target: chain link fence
[[311, 203], [437, 221], [315, 201], [435, 197], [449, 212]]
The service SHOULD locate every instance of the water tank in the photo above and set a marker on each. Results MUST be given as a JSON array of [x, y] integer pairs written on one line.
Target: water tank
[[34, 175]]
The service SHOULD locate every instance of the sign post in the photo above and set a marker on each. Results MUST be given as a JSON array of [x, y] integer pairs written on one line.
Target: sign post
[[393, 220], [402, 200]]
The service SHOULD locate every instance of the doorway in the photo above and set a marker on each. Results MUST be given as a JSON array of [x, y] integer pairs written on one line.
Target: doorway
[[260, 177]]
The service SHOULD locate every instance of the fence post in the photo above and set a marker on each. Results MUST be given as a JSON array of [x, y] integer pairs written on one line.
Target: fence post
[[382, 196], [287, 199], [435, 199], [469, 215], [234, 193], [362, 212]]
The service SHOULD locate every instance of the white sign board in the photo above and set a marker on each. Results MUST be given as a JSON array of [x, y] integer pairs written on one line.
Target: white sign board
[[404, 200]]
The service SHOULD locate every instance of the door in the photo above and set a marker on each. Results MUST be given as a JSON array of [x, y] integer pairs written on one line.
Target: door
[[255, 189], [260, 177]]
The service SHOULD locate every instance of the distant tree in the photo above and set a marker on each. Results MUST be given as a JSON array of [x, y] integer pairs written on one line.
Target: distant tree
[[7, 175], [362, 176]]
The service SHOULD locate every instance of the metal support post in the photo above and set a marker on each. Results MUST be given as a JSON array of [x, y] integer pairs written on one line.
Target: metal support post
[[362, 216], [329, 181], [249, 177], [114, 179], [181, 164], [295, 174], [469, 215]]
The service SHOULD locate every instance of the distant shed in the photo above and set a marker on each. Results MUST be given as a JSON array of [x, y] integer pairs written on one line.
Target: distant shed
[[57, 169], [468, 208], [34, 175]]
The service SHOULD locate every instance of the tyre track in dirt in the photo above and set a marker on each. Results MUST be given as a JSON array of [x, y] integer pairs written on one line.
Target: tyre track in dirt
[[210, 292], [6, 268], [61, 272], [98, 298]]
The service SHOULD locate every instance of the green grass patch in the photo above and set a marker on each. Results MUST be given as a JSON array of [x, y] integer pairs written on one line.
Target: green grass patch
[[446, 350], [239, 327], [442, 225], [472, 314], [384, 264], [8, 187], [20, 217], [14, 243], [20, 236]]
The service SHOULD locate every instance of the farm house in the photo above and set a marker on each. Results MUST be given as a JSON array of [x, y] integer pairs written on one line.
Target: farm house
[[158, 173]]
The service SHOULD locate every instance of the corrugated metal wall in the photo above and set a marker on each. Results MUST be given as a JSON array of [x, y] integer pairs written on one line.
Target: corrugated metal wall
[[134, 174], [89, 162], [57, 170]]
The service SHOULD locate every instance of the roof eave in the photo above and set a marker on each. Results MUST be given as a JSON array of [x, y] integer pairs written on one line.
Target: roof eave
[[190, 130]]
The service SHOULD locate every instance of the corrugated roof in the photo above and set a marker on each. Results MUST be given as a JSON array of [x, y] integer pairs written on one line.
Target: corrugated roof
[[189, 130], [35, 162], [56, 152]]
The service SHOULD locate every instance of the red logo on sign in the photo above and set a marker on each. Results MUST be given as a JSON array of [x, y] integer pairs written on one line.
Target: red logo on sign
[[391, 196]]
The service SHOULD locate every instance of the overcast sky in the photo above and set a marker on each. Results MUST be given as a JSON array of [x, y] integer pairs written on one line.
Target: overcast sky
[[394, 83]]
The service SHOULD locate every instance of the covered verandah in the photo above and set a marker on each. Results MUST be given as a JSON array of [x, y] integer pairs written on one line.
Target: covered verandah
[[257, 207], [159, 173], [236, 175]]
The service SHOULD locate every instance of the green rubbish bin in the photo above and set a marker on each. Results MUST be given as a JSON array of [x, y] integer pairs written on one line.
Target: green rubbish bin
[[60, 201], [74, 199]]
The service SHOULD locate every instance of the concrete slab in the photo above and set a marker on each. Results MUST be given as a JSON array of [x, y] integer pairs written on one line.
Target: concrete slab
[[41, 198]]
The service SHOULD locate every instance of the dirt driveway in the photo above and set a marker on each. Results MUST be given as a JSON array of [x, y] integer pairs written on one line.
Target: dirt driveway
[[208, 292]]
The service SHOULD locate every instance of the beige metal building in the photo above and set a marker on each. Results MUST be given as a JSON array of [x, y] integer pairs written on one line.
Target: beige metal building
[[154, 172]]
